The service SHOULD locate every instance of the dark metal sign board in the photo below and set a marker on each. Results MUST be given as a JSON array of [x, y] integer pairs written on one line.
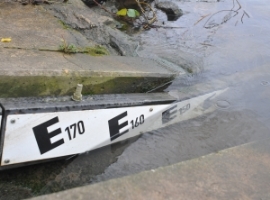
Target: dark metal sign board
[[34, 130]]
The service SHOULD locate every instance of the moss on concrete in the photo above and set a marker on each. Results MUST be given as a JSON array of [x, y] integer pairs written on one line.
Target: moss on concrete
[[71, 49], [96, 50], [26, 86], [64, 25]]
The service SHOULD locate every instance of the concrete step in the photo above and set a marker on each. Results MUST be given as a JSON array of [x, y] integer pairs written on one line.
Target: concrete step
[[33, 64], [27, 73], [241, 172]]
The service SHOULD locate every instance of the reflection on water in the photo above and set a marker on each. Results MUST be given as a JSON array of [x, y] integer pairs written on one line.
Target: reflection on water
[[234, 54], [60, 175], [187, 140]]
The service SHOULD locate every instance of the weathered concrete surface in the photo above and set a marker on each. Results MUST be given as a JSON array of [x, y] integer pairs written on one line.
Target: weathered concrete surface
[[95, 25], [238, 173], [31, 66]]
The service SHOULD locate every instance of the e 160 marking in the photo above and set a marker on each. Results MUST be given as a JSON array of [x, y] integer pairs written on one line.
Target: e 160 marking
[[138, 121]]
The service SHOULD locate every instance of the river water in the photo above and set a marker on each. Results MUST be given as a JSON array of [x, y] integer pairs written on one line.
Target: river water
[[229, 49]]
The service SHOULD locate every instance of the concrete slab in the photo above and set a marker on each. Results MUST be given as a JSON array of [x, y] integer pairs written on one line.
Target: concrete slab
[[31, 64], [238, 173]]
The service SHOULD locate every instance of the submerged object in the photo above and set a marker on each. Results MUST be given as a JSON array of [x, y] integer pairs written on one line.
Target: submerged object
[[171, 9], [91, 3], [35, 130]]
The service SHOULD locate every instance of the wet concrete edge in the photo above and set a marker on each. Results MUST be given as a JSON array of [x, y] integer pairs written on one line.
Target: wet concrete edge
[[237, 173]]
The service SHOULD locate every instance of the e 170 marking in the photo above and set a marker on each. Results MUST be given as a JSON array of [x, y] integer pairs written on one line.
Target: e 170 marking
[[43, 137], [79, 126]]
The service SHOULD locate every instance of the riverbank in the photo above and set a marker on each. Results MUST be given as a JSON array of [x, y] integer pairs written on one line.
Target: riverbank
[[233, 54]]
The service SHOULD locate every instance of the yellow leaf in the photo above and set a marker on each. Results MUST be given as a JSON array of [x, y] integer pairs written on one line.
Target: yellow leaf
[[6, 40], [122, 12]]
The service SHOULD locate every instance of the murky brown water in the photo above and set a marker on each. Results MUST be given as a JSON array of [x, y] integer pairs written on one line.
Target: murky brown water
[[234, 54]]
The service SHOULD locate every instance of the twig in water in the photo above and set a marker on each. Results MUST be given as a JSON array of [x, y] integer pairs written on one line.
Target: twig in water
[[233, 5], [224, 21], [147, 21], [102, 7], [201, 19], [227, 17], [246, 14], [206, 44], [243, 16], [239, 6], [157, 26]]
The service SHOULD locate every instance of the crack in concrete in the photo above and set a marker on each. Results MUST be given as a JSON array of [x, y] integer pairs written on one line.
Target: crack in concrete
[[71, 61]]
